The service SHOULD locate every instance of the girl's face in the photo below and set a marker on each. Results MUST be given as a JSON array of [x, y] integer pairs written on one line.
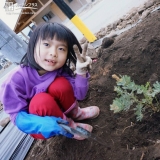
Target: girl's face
[[50, 54]]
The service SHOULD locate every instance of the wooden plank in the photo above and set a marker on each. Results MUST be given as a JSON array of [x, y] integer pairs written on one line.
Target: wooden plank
[[31, 18], [40, 2], [58, 12], [32, 11]]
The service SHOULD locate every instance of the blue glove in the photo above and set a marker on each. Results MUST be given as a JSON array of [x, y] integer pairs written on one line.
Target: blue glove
[[47, 126]]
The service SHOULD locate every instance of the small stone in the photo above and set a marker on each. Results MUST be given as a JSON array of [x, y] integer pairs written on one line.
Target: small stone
[[145, 14], [135, 18], [124, 24], [119, 27], [103, 33], [141, 8]]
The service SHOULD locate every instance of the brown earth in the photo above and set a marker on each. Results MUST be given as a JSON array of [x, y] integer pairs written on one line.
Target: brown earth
[[135, 53]]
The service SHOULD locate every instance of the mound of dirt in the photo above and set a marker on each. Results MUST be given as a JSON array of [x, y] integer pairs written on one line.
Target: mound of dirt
[[135, 53]]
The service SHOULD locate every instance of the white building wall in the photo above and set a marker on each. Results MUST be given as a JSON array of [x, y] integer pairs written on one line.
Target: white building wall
[[75, 5], [39, 19]]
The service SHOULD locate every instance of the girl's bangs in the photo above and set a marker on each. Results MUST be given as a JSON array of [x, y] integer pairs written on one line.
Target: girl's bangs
[[53, 30]]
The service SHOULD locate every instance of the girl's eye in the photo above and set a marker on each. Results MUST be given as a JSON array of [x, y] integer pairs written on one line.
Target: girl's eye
[[46, 44], [61, 49]]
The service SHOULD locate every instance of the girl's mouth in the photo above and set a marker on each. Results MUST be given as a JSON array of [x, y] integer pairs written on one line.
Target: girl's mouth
[[51, 62]]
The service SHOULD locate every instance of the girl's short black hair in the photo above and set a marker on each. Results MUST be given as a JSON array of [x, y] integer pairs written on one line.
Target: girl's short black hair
[[48, 31]]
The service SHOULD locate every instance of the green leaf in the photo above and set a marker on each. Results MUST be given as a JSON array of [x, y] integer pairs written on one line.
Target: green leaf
[[127, 102], [117, 106], [138, 112], [130, 86], [125, 80], [122, 103], [156, 88], [141, 89], [118, 90], [144, 101]]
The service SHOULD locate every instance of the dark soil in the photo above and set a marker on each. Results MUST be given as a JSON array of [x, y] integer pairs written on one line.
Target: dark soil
[[135, 53]]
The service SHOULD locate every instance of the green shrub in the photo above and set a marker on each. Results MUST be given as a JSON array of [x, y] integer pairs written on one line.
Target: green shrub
[[139, 96]]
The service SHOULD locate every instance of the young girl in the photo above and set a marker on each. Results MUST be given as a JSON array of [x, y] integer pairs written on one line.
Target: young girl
[[43, 91]]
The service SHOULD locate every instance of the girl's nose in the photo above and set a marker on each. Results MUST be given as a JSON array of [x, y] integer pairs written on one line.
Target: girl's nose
[[53, 52]]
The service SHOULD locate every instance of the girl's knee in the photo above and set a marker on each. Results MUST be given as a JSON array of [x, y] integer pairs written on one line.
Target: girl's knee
[[40, 102], [43, 104], [60, 86]]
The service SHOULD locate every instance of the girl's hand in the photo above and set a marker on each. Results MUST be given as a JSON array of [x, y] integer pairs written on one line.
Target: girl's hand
[[48, 126], [84, 62]]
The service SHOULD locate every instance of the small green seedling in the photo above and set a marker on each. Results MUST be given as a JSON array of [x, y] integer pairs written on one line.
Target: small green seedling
[[139, 97]]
